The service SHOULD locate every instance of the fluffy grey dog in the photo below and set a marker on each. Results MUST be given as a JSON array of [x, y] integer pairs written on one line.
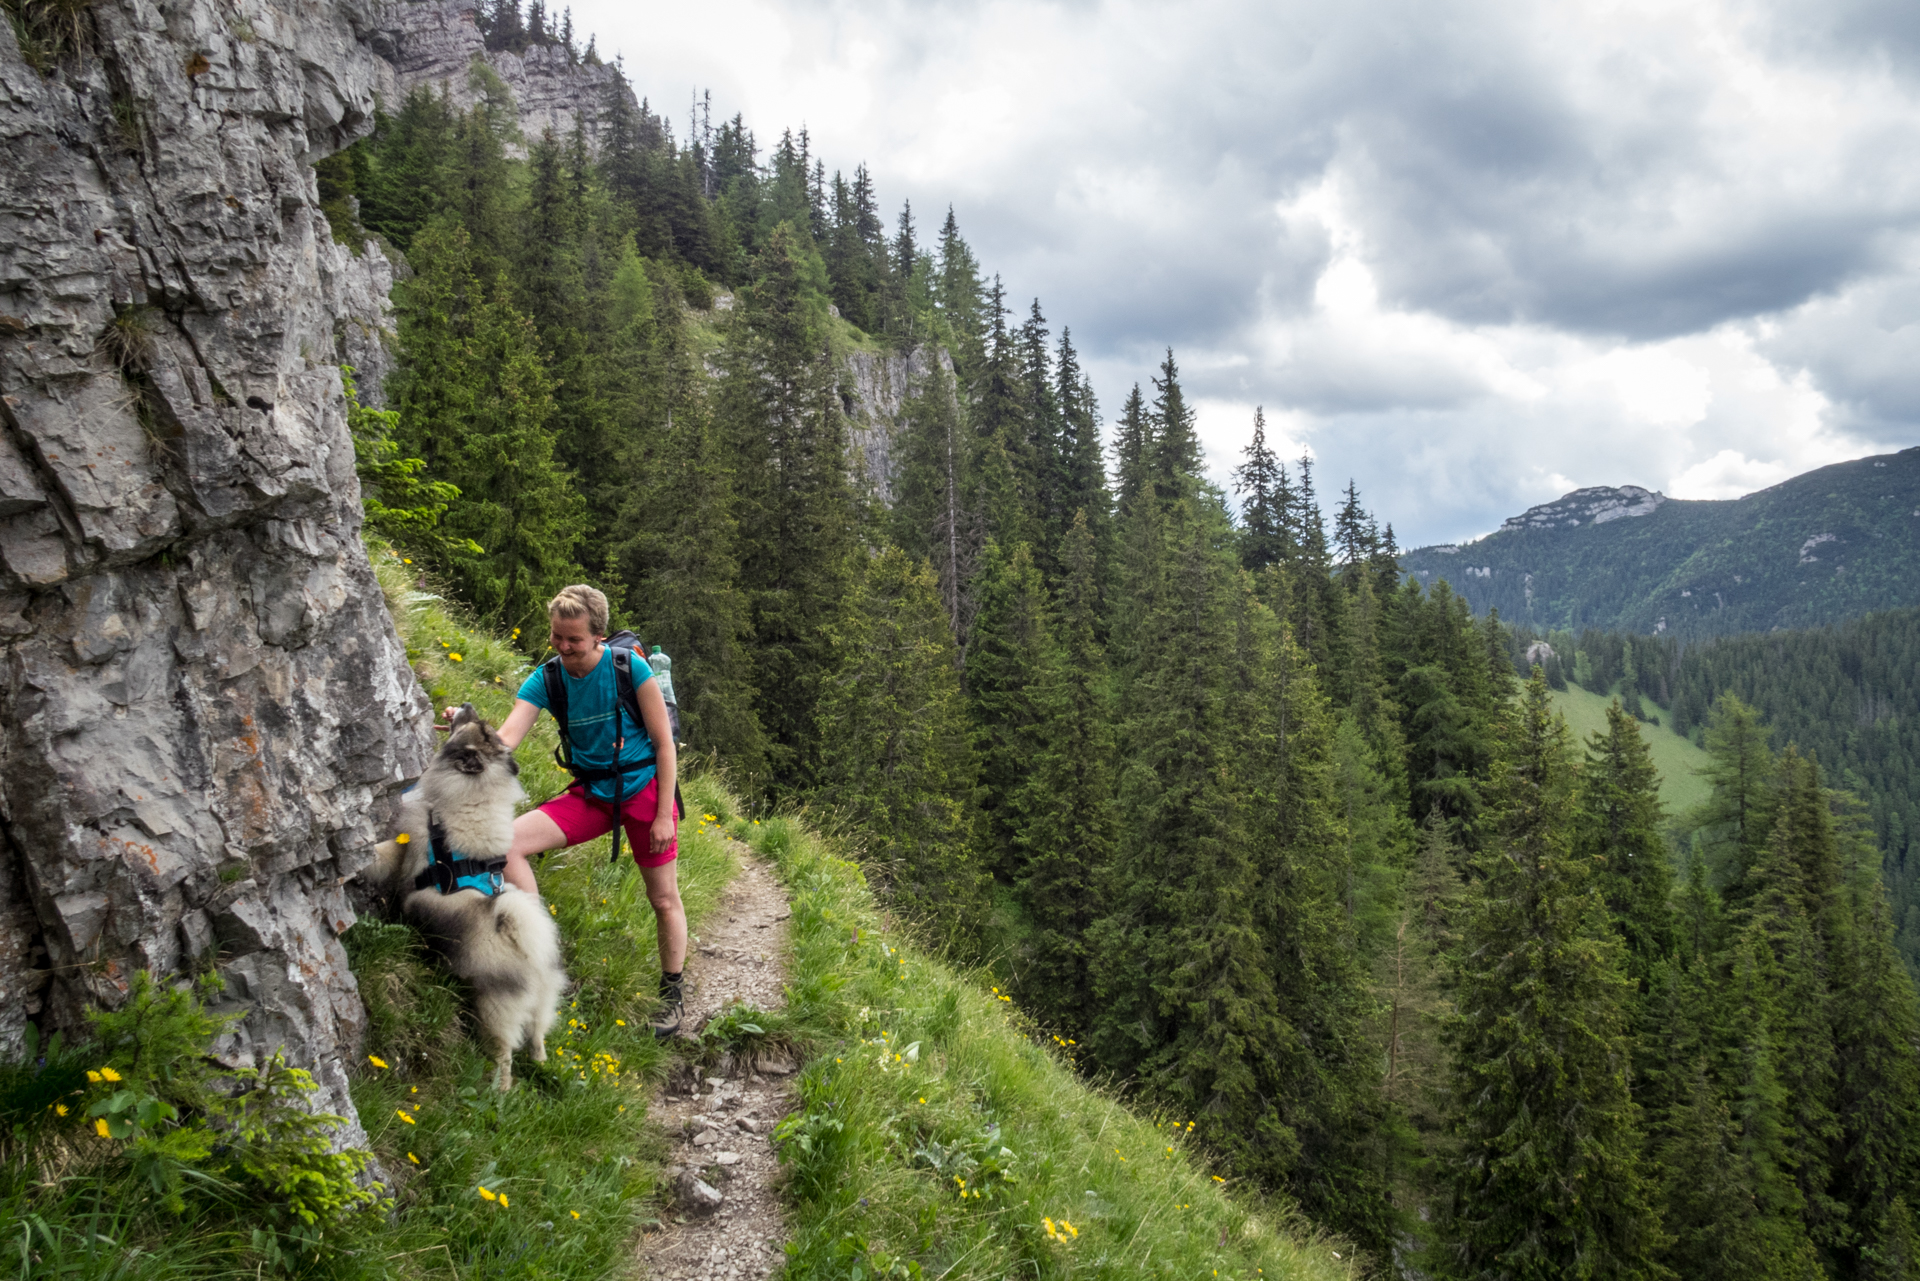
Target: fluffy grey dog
[[504, 943]]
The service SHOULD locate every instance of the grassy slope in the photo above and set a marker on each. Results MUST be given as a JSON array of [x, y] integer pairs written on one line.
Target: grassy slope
[[876, 1152], [1677, 759], [937, 1128]]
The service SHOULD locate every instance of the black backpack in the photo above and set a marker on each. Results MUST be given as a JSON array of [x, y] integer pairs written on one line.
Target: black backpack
[[625, 646]]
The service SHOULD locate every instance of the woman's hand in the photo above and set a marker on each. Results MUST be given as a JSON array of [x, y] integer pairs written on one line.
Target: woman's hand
[[662, 832]]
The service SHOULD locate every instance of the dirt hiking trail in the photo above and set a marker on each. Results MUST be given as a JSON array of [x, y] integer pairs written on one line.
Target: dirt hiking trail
[[724, 1218]]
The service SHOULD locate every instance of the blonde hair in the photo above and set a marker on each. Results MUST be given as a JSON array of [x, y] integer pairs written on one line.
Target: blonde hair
[[581, 601]]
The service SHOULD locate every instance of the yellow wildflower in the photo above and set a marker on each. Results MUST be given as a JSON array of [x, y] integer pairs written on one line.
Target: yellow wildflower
[[620, 1022], [488, 1196], [574, 1213], [376, 1060], [503, 1200], [405, 561], [108, 1074], [1071, 1230], [60, 1109], [100, 1128], [454, 657], [411, 1157], [94, 1077], [404, 1117], [401, 839]]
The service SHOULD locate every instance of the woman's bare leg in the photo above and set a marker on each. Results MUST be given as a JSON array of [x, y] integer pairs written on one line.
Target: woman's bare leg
[[533, 833], [663, 891]]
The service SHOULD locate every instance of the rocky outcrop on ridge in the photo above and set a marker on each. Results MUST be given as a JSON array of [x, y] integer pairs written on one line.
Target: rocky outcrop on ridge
[[1593, 506], [206, 711], [435, 42]]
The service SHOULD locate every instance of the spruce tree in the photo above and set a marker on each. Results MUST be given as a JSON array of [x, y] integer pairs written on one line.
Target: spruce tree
[[1065, 804], [1412, 1015], [1010, 648], [1617, 832], [1730, 830], [476, 403], [1718, 1229], [1186, 1000], [1086, 492], [1876, 1025], [1548, 1178], [932, 516], [1131, 449], [1325, 835], [901, 766], [1046, 479], [1262, 539], [1355, 535], [1778, 958], [676, 559], [1176, 444], [782, 418]]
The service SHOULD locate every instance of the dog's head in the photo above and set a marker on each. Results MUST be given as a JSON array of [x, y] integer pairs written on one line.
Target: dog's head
[[473, 748]]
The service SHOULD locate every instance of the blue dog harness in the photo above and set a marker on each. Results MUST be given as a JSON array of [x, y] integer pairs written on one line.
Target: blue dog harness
[[448, 871]]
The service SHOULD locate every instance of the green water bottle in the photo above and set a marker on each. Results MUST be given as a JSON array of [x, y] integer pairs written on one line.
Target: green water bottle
[[662, 667]]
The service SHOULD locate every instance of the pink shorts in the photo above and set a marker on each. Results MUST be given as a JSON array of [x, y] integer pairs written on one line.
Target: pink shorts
[[582, 818]]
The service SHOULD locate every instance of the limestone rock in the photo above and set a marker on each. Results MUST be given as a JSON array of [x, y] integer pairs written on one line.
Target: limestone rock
[[875, 388], [1594, 506], [206, 712], [695, 1195], [434, 43]]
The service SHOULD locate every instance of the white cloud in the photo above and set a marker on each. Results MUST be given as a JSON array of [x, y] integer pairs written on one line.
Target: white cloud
[[1470, 253]]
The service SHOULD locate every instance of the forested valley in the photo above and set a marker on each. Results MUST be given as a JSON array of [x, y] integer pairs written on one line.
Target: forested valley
[[1279, 844], [1847, 695]]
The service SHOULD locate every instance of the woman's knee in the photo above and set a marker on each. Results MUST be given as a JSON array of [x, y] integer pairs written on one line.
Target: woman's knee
[[535, 833]]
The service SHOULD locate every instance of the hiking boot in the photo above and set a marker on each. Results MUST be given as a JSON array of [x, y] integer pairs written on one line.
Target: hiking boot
[[673, 1004]]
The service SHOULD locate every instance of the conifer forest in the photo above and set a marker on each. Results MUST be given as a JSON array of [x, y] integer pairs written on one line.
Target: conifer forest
[[1284, 843]]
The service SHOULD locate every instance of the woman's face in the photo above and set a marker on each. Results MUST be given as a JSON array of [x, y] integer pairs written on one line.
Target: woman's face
[[572, 638]]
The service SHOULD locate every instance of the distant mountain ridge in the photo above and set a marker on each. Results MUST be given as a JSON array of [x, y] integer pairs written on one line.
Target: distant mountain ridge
[[1822, 547]]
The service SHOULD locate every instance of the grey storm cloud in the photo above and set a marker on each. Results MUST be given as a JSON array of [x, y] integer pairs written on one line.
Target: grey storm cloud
[[1530, 190]]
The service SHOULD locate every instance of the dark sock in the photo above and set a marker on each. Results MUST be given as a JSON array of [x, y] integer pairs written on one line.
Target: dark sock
[[673, 977]]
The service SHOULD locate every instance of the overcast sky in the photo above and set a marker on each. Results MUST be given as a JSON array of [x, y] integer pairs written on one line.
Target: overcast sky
[[1472, 255]]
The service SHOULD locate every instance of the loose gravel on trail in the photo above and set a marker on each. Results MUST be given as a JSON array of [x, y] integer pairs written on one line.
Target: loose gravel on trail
[[720, 1119]]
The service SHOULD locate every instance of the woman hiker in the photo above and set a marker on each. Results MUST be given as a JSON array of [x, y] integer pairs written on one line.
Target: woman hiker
[[594, 722]]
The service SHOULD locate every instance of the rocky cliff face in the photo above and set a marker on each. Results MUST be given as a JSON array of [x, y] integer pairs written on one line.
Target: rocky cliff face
[[434, 43], [206, 709], [875, 388]]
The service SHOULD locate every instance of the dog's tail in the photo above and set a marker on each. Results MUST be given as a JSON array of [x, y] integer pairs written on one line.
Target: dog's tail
[[522, 922]]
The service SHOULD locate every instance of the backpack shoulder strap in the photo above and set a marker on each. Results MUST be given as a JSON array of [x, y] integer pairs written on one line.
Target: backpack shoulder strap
[[624, 686], [557, 698]]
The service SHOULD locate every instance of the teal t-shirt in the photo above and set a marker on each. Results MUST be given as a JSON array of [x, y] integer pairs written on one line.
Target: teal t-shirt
[[591, 700]]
